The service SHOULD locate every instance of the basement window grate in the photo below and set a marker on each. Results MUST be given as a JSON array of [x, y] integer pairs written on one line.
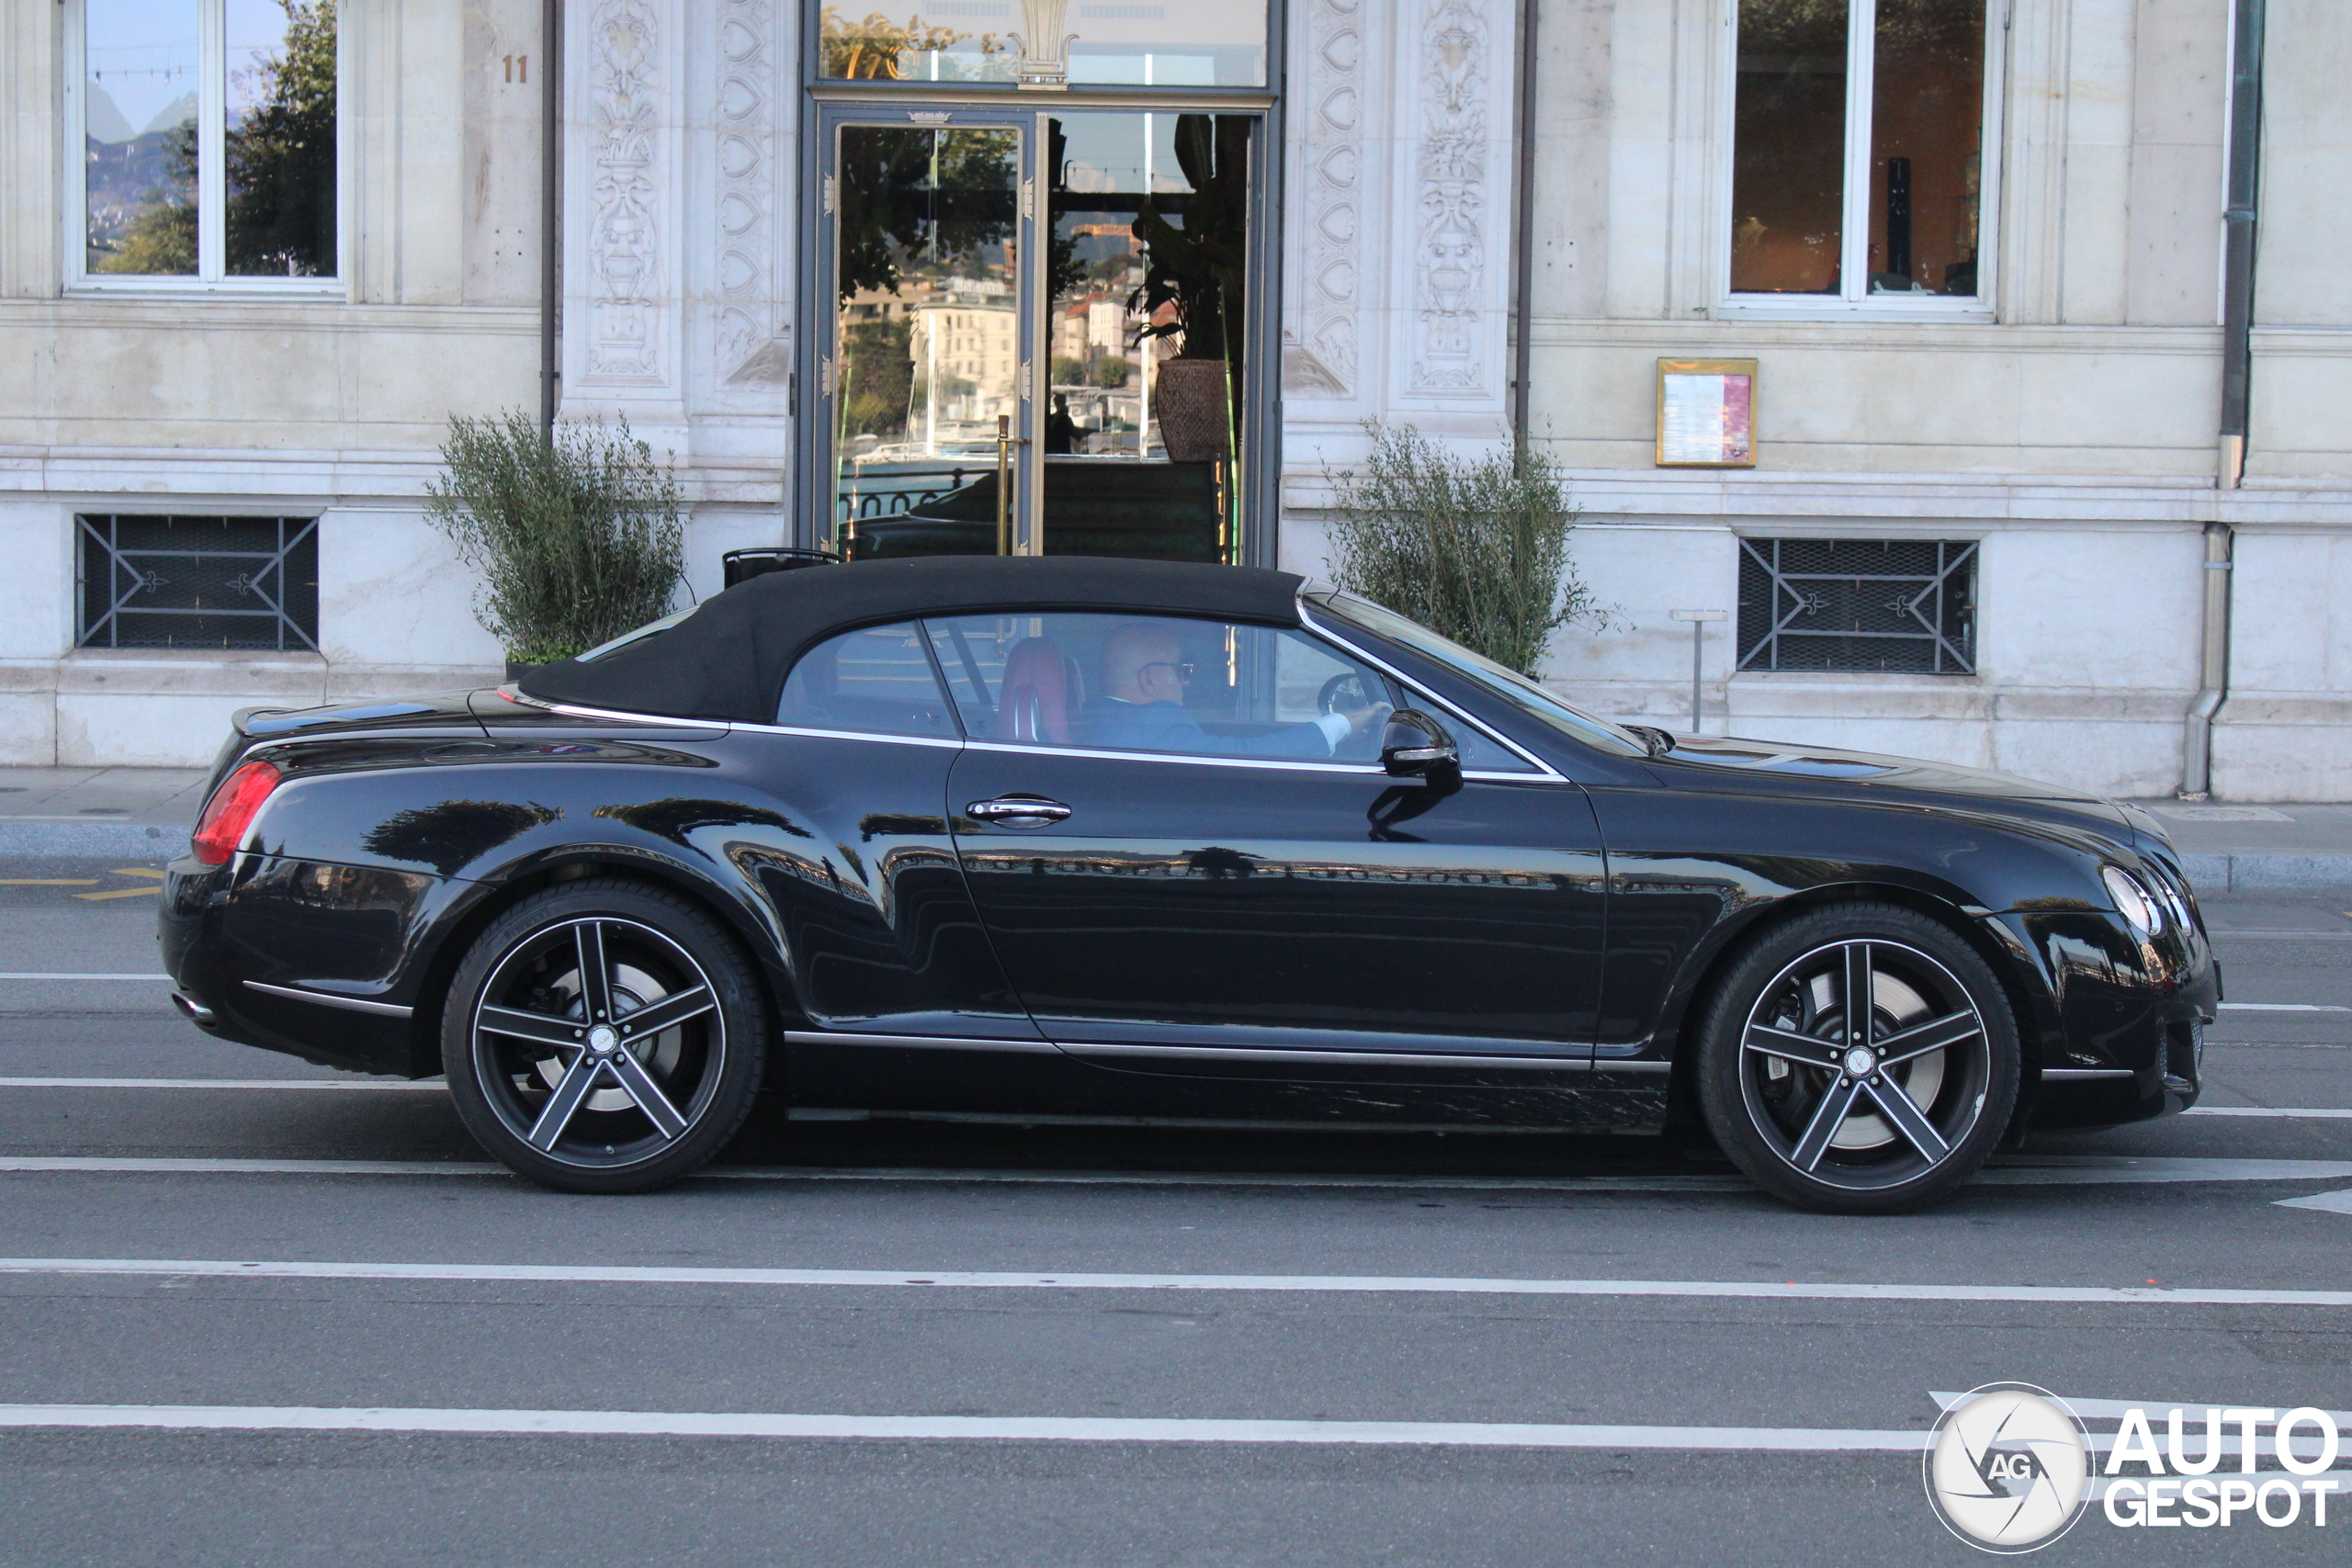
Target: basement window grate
[[1897, 606], [198, 583]]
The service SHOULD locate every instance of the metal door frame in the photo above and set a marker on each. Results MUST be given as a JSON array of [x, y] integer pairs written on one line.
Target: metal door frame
[[810, 489]]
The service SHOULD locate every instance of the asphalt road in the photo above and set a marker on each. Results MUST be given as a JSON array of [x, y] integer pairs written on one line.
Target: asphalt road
[[1189, 1347]]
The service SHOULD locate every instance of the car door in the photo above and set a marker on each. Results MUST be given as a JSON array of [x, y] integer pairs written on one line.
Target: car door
[[1227, 882]]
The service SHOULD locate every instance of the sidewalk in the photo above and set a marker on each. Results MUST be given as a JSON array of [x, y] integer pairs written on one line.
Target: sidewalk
[[145, 814]]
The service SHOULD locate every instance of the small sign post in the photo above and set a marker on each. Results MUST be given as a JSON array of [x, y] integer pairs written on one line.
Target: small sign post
[[1697, 619]]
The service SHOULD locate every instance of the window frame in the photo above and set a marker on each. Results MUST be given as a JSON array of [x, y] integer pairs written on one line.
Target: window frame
[[1855, 302], [211, 277], [305, 529], [1972, 547]]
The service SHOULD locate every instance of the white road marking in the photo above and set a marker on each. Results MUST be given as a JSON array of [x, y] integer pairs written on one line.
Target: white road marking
[[1315, 1284], [433, 1085], [965, 1428], [2302, 1113], [2282, 936], [2282, 1007], [44, 975], [2114, 1409], [2045, 1171], [2326, 1202]]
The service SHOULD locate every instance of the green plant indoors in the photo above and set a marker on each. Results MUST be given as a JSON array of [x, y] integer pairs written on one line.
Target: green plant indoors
[[576, 535], [1474, 548]]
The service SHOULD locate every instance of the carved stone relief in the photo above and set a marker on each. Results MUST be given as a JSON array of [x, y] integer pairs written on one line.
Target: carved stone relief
[[1322, 362], [1449, 266], [624, 232], [752, 349]]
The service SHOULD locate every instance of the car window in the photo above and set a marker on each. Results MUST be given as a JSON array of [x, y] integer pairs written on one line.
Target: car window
[[1166, 684], [876, 680], [1158, 683]]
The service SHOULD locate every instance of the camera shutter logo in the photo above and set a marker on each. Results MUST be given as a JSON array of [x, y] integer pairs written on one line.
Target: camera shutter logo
[[2008, 1468]]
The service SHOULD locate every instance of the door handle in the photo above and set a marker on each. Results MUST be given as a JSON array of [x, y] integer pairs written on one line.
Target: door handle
[[1018, 811]]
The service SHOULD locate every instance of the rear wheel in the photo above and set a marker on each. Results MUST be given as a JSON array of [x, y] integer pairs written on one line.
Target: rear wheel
[[604, 1036], [1860, 1059]]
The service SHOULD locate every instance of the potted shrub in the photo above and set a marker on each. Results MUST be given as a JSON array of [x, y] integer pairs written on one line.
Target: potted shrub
[[1474, 548], [575, 531]]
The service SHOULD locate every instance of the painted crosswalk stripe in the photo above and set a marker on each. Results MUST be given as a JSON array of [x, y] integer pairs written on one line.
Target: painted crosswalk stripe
[[1311, 1284], [2283, 1007]]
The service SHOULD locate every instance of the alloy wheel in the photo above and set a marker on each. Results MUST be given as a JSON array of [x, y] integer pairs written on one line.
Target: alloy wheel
[[1864, 1064], [598, 1041]]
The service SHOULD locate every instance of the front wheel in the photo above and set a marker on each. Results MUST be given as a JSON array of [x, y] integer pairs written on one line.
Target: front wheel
[[604, 1036], [1860, 1059]]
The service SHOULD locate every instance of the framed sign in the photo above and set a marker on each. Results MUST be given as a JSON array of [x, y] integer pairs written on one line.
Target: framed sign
[[1706, 414]]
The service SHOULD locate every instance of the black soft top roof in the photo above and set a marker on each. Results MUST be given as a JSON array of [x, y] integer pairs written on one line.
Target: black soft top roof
[[728, 659]]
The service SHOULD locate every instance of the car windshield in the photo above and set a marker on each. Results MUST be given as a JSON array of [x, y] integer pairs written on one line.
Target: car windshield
[[1499, 679]]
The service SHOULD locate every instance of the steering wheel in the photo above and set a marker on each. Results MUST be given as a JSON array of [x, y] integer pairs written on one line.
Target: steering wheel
[[1348, 689]]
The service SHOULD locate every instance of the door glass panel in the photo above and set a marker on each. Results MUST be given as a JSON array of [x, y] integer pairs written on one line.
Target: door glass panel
[[927, 338], [1180, 43], [1148, 285], [138, 98], [1788, 176], [877, 681], [1926, 122]]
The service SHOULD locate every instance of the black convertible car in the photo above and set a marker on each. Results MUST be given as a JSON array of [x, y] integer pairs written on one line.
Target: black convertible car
[[1129, 837]]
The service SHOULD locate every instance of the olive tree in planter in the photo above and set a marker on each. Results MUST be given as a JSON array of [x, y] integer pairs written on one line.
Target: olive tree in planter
[[575, 532], [1474, 548]]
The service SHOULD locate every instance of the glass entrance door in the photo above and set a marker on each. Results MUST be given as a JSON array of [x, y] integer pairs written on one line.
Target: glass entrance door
[[1086, 391]]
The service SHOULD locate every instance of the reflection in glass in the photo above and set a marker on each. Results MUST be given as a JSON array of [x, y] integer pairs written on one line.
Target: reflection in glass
[[1927, 119], [927, 343], [1183, 43], [1789, 147], [138, 94], [1148, 276], [280, 138]]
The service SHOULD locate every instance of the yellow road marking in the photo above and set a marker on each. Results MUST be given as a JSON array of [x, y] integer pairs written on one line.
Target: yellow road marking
[[138, 871], [48, 882], [120, 893]]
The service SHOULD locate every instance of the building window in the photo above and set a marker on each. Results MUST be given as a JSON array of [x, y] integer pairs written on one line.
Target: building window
[[1858, 162], [1193, 43], [207, 135], [1894, 606], [208, 582]]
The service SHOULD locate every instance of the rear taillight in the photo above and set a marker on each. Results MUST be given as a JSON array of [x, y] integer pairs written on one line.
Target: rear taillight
[[230, 811]]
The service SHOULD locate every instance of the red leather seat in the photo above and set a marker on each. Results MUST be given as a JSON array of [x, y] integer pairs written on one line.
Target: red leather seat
[[1040, 689]]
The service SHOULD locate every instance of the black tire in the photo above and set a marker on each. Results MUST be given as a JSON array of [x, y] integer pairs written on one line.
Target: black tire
[[577, 1099], [1876, 1122]]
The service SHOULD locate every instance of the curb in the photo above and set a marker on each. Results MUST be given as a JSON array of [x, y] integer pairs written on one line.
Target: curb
[[34, 839], [2267, 873]]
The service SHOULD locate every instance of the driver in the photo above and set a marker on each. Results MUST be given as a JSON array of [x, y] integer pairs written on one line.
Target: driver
[[1142, 709]]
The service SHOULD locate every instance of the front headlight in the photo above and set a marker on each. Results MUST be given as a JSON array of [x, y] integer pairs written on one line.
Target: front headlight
[[2136, 904]]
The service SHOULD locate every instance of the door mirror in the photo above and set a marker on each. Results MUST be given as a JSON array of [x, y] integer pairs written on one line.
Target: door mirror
[[1413, 744]]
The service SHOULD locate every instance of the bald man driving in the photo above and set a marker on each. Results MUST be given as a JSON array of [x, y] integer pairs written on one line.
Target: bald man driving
[[1142, 707]]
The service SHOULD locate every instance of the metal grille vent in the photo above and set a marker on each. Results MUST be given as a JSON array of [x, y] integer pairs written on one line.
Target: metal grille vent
[[227, 582], [1900, 605]]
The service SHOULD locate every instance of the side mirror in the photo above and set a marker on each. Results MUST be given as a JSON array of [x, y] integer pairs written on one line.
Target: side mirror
[[1413, 744]]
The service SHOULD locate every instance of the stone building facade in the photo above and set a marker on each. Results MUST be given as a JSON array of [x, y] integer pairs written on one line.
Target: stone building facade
[[2008, 364]]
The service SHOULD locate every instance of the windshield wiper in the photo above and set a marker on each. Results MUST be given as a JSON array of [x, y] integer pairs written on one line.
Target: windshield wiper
[[1657, 740]]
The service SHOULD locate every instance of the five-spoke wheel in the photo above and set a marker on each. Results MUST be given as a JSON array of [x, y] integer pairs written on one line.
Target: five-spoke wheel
[[604, 1036], [1861, 1059]]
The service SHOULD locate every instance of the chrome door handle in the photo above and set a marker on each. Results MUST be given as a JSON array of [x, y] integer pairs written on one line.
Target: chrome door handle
[[1018, 811]]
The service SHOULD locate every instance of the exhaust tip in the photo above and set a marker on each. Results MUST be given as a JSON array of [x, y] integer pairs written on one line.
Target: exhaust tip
[[195, 1011]]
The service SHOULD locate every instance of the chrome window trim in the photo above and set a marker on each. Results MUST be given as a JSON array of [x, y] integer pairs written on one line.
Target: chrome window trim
[[384, 1010], [1545, 772], [949, 741], [1288, 764]]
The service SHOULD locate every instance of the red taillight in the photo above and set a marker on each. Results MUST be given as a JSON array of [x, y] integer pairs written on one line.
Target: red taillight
[[230, 811]]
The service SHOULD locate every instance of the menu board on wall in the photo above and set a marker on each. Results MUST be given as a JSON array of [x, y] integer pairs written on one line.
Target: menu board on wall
[[1706, 414]]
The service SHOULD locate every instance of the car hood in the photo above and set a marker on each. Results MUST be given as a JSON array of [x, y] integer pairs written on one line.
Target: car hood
[[1710, 762]]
